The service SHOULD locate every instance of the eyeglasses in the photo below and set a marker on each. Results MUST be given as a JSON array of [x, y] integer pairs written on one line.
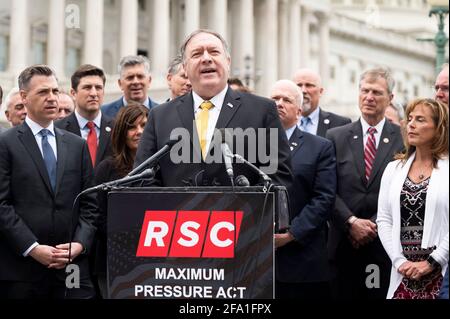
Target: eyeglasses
[[443, 88]]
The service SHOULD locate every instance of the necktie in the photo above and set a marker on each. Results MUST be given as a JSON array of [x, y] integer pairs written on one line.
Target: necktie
[[202, 124], [304, 123], [49, 157], [369, 151], [92, 141]]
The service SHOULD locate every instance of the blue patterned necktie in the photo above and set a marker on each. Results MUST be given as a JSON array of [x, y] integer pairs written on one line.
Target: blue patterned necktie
[[49, 157], [304, 122]]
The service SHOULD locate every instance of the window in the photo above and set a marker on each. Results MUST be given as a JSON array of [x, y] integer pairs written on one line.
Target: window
[[142, 52], [4, 48], [332, 72], [352, 76], [39, 52], [73, 60], [142, 5]]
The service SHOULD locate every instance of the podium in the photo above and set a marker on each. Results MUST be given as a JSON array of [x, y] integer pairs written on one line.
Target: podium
[[192, 242]]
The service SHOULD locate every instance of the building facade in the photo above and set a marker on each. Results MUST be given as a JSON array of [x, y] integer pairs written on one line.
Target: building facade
[[268, 40]]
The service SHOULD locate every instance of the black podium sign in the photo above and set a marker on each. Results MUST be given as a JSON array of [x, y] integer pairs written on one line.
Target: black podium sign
[[190, 243]]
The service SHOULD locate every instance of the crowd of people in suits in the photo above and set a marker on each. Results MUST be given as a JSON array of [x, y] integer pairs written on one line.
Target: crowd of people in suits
[[368, 199]]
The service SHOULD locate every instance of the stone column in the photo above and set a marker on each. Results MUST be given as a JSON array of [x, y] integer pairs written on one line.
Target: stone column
[[93, 42], [305, 37], [295, 28], [191, 16], [218, 18], [271, 66], [284, 51], [20, 37], [160, 48], [56, 37], [128, 27], [324, 34], [247, 42]]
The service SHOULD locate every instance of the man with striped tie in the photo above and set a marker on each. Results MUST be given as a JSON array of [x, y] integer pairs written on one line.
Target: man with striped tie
[[363, 149]]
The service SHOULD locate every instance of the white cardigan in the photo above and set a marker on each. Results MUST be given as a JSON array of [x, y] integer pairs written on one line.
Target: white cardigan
[[436, 223]]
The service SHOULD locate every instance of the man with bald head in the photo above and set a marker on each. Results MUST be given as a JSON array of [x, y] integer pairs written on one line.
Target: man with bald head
[[15, 109], [441, 85], [313, 119], [66, 105], [302, 270]]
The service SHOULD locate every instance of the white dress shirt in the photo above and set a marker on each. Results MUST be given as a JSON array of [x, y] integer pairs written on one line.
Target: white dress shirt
[[36, 129], [82, 123], [378, 127]]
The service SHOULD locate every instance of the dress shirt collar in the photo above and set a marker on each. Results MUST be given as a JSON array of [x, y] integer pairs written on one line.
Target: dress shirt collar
[[36, 128], [378, 127], [82, 122], [217, 100], [146, 102], [290, 131], [314, 116]]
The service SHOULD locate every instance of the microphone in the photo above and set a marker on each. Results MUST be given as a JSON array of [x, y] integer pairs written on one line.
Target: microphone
[[155, 157], [241, 180], [149, 172], [263, 175], [227, 154]]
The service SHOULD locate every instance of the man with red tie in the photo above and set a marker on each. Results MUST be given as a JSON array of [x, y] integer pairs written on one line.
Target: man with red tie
[[363, 150], [87, 121]]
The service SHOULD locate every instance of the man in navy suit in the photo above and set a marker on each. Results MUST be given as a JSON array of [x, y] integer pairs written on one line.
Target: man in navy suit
[[313, 119], [361, 265], [301, 254], [42, 170], [135, 80], [88, 90], [206, 60]]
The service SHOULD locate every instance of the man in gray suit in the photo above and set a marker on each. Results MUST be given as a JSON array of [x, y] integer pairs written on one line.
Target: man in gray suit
[[363, 149]]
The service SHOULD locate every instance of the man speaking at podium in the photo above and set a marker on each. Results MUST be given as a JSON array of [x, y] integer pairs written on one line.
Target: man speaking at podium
[[212, 104]]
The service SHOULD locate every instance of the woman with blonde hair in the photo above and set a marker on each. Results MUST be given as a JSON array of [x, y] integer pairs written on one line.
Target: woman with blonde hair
[[413, 205]]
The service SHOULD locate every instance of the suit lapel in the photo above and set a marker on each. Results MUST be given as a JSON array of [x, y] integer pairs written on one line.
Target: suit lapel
[[72, 125], [356, 141], [384, 150], [62, 149], [296, 141], [230, 105], [321, 127], [105, 133], [28, 140], [185, 109]]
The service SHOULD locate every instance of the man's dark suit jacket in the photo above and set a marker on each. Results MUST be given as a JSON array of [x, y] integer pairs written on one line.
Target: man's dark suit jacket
[[111, 109], [356, 196], [239, 110], [30, 211], [312, 198], [104, 148], [328, 120]]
